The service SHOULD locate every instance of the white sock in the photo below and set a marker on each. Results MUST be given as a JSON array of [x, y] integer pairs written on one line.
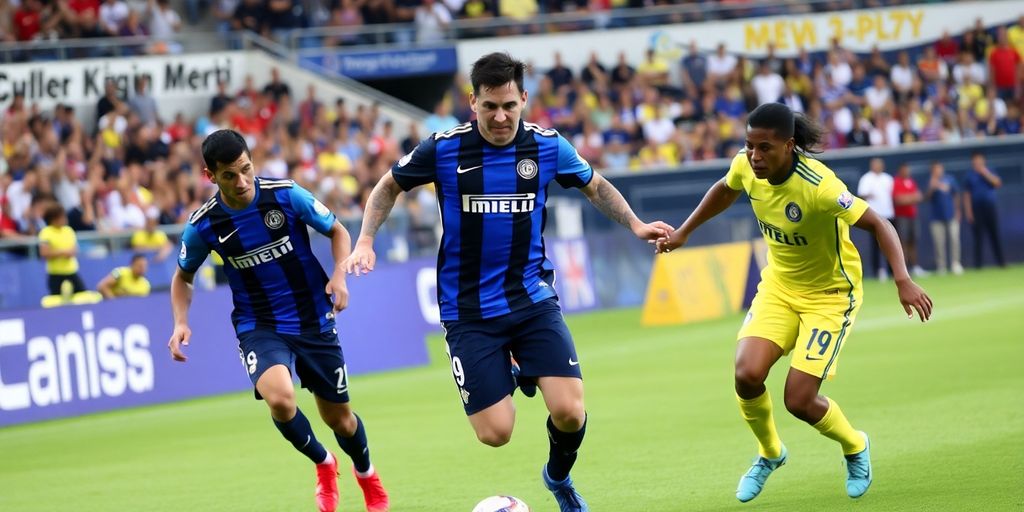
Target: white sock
[[367, 474], [329, 459]]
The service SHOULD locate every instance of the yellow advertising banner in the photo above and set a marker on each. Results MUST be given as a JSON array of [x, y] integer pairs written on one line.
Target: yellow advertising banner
[[701, 283]]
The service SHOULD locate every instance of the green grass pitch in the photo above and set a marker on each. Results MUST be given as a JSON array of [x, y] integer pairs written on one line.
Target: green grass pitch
[[943, 402]]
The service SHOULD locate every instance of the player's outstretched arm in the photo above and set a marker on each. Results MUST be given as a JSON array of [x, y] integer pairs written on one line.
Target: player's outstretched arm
[[181, 299], [603, 195], [718, 198], [911, 295], [378, 206], [341, 244]]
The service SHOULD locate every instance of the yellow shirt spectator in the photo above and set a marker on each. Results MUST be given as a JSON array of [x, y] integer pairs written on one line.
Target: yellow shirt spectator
[[148, 241], [1015, 35], [60, 239], [128, 281], [518, 9]]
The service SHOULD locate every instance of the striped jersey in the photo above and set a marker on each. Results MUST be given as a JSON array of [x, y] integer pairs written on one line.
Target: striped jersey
[[491, 261], [806, 223], [276, 281]]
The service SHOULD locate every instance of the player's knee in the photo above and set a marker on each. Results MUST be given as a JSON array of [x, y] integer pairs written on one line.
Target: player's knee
[[747, 377], [798, 404], [345, 424], [281, 403], [569, 417], [494, 436]]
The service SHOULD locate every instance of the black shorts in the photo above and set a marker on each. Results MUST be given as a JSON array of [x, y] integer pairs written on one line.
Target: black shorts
[[317, 360], [53, 282], [906, 228], [479, 351]]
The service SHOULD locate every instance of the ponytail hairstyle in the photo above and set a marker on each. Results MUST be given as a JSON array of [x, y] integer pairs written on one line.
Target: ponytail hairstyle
[[807, 135]]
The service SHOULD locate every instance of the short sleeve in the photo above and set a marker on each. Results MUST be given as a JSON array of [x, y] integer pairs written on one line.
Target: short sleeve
[[193, 249], [311, 210], [573, 170], [116, 273], [737, 172], [46, 235], [419, 167], [837, 201]]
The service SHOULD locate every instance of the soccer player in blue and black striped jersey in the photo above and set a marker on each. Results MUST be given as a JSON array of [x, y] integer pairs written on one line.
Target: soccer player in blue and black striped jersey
[[284, 310], [494, 281]]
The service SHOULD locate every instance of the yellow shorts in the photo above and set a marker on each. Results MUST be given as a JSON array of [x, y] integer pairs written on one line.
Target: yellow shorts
[[814, 326]]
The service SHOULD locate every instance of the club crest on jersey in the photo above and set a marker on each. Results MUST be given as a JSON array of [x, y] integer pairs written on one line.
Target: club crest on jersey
[[320, 208], [526, 168], [274, 219], [793, 212], [845, 200]]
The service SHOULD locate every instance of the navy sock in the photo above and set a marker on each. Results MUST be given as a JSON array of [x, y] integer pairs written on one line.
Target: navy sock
[[300, 434], [564, 446], [355, 447]]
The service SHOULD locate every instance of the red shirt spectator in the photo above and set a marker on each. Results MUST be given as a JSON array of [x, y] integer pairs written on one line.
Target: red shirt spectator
[[1004, 61], [947, 48], [27, 20], [904, 186]]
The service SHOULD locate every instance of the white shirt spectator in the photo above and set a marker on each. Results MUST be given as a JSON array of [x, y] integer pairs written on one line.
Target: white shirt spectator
[[112, 15], [902, 77], [121, 215], [876, 189], [877, 98], [163, 21], [769, 87], [659, 130], [718, 66], [431, 20], [841, 72], [19, 200], [974, 70], [887, 135]]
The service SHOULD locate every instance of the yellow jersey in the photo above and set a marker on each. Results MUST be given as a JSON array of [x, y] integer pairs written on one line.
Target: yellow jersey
[[143, 240], [126, 283], [60, 239], [806, 222]]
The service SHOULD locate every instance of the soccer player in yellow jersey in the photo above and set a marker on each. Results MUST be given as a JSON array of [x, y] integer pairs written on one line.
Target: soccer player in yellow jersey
[[810, 291]]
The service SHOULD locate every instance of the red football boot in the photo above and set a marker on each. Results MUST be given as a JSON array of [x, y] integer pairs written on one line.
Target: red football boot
[[373, 492], [327, 486]]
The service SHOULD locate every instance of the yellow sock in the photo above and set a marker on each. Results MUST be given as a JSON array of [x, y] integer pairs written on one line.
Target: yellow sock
[[835, 426], [758, 414]]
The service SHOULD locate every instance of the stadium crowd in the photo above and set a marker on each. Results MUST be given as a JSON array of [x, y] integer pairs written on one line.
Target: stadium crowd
[[129, 166]]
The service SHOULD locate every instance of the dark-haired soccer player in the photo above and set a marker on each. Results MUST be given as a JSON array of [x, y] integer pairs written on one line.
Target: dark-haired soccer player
[[284, 312], [810, 291], [494, 281]]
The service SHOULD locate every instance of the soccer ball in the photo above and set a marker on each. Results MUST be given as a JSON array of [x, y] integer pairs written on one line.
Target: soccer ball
[[501, 504]]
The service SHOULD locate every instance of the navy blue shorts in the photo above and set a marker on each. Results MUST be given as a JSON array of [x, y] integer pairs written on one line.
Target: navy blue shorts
[[316, 359], [479, 351]]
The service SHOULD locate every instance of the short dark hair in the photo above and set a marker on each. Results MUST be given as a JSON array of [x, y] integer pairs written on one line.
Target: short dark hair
[[496, 69], [138, 256], [806, 134], [52, 213], [223, 147]]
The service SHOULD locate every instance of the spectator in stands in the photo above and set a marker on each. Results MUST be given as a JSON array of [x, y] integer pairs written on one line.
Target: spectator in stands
[[142, 103], [1015, 35], [150, 240], [251, 15], [721, 67], [110, 100], [946, 48], [129, 281], [559, 74], [653, 71], [905, 198], [967, 67], [944, 198], [1004, 63], [113, 14], [694, 70], [981, 209], [768, 85], [276, 87], [81, 18], [163, 25], [594, 73], [283, 16], [432, 20], [876, 187], [978, 41], [441, 119], [7, 28], [622, 74], [58, 245]]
